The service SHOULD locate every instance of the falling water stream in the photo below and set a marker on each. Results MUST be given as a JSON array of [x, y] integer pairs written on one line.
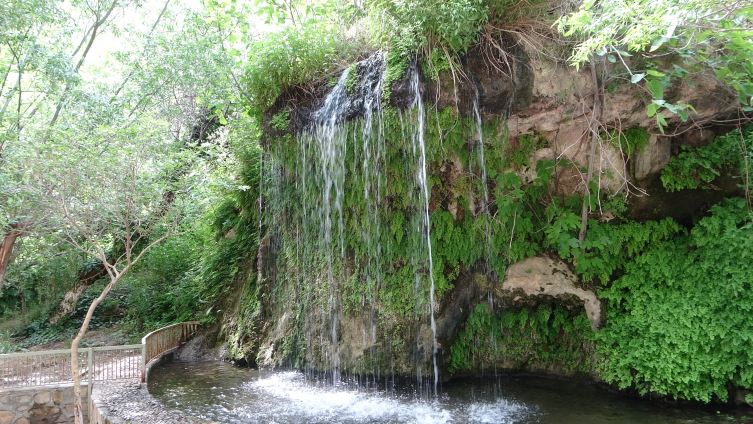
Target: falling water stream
[[419, 140], [324, 166]]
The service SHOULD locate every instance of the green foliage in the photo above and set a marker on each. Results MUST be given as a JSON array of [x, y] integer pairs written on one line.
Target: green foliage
[[109, 312], [235, 223], [293, 56], [396, 66], [719, 38], [519, 155], [6, 344], [352, 79], [436, 63], [281, 120], [694, 168], [679, 319], [161, 288], [540, 339], [629, 141], [42, 269], [607, 248], [453, 24]]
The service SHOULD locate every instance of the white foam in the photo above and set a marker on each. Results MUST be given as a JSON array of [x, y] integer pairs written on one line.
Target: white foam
[[289, 395]]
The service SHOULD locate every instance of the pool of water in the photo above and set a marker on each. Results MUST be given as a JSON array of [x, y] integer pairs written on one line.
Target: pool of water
[[223, 393]]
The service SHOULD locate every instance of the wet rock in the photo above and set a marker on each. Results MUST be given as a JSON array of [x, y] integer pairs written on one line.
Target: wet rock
[[539, 277], [653, 157]]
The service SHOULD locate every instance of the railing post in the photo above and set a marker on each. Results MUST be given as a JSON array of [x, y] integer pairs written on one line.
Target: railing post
[[143, 360], [90, 372]]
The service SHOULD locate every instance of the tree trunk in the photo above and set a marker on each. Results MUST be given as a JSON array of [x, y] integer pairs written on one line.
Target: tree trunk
[[85, 279], [6, 249], [594, 139], [79, 411], [22, 293], [88, 277]]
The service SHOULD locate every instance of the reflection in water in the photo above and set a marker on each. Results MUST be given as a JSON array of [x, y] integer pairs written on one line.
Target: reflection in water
[[223, 393]]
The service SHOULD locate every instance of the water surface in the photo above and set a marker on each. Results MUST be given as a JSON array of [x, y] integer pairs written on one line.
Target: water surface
[[222, 393]]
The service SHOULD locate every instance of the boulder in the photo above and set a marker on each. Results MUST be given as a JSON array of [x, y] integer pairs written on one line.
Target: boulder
[[530, 280]]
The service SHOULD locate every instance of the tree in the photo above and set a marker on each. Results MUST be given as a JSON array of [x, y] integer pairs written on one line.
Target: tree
[[42, 51], [103, 193], [705, 35]]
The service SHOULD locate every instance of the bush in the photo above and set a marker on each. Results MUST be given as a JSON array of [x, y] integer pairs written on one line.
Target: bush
[[698, 167], [679, 319], [295, 55]]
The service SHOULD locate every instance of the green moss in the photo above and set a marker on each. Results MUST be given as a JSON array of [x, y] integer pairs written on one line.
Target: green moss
[[397, 64], [629, 141], [352, 80], [281, 120], [540, 339], [697, 168]]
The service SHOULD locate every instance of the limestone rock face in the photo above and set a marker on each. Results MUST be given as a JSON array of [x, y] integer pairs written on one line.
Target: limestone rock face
[[533, 96], [539, 276], [654, 156]]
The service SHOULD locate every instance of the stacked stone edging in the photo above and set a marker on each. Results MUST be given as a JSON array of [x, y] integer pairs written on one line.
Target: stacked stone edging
[[39, 405]]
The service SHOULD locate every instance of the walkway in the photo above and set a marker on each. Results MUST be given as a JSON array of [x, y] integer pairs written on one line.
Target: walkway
[[128, 401]]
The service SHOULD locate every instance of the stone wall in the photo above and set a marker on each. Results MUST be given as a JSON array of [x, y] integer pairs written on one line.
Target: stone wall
[[39, 405]]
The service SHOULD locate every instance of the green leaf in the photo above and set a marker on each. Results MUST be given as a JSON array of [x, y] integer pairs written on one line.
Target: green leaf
[[661, 121], [658, 43], [637, 78], [657, 91], [654, 73]]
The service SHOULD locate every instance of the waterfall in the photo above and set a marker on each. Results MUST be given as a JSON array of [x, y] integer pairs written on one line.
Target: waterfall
[[485, 208], [482, 165], [371, 132], [418, 141], [328, 141], [327, 202], [322, 167]]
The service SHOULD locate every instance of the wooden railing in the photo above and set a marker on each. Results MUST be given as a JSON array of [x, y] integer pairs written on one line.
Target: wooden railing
[[164, 340], [29, 369]]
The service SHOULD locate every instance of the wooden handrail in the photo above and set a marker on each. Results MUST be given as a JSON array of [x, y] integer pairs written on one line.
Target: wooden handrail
[[25, 369], [162, 340]]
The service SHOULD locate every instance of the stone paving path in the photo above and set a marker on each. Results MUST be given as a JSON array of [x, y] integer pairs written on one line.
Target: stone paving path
[[128, 401]]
